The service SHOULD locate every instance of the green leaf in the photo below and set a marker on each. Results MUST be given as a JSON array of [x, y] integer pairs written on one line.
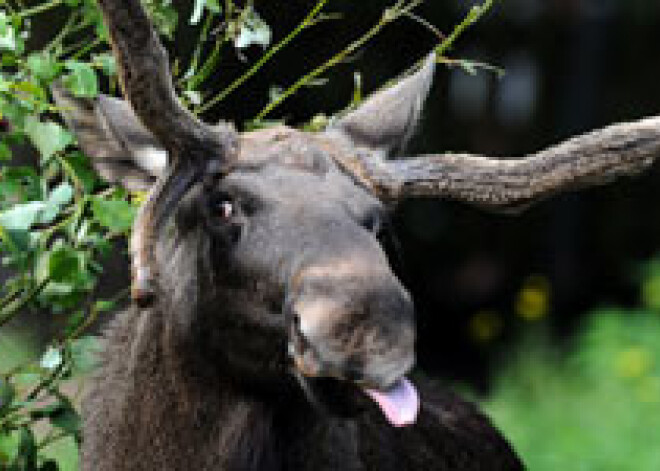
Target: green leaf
[[80, 235], [27, 379], [61, 195], [197, 12], [15, 223], [115, 215], [214, 6], [14, 111], [27, 451], [85, 353], [82, 81], [107, 63], [74, 321], [21, 217], [9, 441], [211, 5], [194, 97], [7, 33], [15, 242], [5, 151], [51, 359], [29, 88], [163, 15], [58, 198], [19, 185], [253, 30], [66, 418], [60, 265], [82, 170], [7, 394], [43, 65], [63, 265], [48, 137], [94, 16]]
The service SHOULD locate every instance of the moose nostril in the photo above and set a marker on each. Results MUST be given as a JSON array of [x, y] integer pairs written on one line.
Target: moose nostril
[[297, 338], [304, 355]]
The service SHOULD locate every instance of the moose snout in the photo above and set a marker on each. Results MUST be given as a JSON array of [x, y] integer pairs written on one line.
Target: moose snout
[[352, 326]]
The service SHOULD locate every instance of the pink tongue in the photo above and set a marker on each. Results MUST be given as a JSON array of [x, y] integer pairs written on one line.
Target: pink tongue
[[400, 403]]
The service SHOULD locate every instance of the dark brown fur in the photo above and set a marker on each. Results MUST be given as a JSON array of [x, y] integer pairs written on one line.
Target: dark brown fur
[[150, 410]]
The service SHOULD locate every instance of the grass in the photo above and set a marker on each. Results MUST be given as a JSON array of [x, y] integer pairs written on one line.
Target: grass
[[594, 408]]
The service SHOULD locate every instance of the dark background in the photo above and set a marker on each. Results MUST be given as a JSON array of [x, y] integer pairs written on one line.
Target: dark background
[[571, 66]]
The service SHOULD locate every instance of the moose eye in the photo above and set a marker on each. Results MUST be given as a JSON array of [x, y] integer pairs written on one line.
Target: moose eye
[[225, 219], [225, 209], [222, 207]]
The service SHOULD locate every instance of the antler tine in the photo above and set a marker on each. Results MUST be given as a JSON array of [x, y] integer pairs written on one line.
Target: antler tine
[[194, 149], [147, 83], [510, 185]]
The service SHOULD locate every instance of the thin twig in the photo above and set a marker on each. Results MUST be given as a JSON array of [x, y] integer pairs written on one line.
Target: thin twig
[[39, 8], [8, 311], [264, 59], [439, 34], [474, 15], [388, 17]]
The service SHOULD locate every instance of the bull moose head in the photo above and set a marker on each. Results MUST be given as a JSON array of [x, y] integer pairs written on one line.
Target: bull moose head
[[276, 233]]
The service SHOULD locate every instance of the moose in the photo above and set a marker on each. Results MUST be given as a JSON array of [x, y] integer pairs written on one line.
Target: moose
[[267, 330]]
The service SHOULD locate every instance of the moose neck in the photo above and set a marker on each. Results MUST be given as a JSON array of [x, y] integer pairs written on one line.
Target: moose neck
[[180, 392]]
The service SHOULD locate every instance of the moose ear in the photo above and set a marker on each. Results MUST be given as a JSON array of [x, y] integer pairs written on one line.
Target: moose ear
[[387, 119], [122, 150]]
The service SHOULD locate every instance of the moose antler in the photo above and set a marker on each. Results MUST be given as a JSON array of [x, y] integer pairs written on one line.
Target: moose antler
[[194, 148], [512, 184], [503, 184]]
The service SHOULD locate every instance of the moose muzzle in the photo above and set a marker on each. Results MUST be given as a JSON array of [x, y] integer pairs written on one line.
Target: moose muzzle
[[353, 321]]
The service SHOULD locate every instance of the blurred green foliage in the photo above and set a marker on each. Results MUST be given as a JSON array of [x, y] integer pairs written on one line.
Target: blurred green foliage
[[593, 405]]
